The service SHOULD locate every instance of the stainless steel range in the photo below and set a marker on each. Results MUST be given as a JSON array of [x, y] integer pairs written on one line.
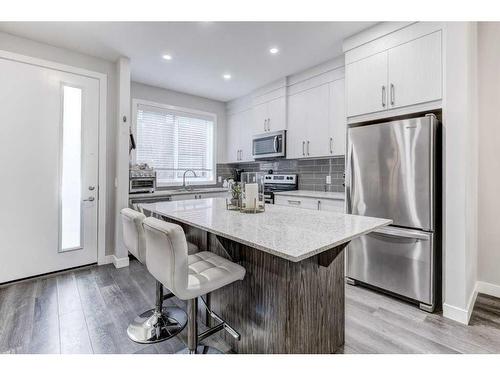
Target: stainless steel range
[[142, 179], [278, 182]]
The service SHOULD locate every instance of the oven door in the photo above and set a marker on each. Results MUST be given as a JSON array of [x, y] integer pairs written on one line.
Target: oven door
[[142, 185], [269, 145]]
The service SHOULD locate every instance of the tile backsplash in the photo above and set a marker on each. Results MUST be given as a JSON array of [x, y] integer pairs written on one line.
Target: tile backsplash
[[311, 173]]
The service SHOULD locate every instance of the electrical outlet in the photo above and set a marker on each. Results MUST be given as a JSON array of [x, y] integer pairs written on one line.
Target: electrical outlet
[[219, 178], [328, 180]]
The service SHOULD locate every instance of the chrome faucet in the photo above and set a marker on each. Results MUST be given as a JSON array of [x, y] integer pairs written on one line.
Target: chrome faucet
[[184, 178]]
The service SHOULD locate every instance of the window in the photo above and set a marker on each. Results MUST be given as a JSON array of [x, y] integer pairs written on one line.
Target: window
[[71, 210], [172, 140]]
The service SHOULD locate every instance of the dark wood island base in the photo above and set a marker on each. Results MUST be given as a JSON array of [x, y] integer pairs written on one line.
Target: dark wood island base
[[281, 306]]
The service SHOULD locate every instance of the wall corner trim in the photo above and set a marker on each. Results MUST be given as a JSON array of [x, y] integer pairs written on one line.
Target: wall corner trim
[[120, 262], [458, 314]]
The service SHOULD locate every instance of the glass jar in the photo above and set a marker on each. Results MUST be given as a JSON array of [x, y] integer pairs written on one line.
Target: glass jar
[[252, 192]]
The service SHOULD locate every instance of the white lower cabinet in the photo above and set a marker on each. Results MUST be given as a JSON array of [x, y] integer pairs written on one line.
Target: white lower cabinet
[[331, 205]]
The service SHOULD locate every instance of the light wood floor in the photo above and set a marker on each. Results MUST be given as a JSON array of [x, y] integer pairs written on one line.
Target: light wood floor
[[88, 310]]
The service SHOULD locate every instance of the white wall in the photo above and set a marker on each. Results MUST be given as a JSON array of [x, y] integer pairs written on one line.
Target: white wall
[[44, 51], [164, 96], [460, 170], [123, 125], [489, 157]]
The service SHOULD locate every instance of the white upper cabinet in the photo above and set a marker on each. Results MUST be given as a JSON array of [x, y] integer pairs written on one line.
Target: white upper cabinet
[[297, 130], [232, 149], [316, 120], [367, 85], [400, 72], [276, 111], [246, 135], [269, 113], [337, 118], [414, 70], [260, 118], [239, 137]]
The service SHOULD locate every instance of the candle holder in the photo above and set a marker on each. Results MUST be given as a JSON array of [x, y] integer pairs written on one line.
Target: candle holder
[[252, 192]]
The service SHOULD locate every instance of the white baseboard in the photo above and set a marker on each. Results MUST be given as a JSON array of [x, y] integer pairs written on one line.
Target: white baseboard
[[487, 288], [120, 262], [106, 260], [458, 314]]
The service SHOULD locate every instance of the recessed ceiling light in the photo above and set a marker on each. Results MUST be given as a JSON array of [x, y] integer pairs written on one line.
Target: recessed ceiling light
[[274, 50], [226, 76], [167, 57]]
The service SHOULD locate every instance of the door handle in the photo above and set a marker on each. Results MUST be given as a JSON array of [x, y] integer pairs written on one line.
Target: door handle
[[265, 124], [331, 148], [293, 202], [383, 96], [303, 145], [308, 148], [89, 199], [91, 188], [392, 94], [319, 205], [275, 143], [268, 124], [392, 232]]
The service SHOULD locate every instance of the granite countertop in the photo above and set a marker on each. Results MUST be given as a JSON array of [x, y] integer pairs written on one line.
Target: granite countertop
[[169, 192], [287, 232], [313, 194]]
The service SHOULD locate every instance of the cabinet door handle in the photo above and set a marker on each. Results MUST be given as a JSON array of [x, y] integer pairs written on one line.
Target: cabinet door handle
[[265, 122], [383, 96], [319, 204], [293, 202], [392, 94], [303, 144], [307, 147], [268, 124], [331, 145]]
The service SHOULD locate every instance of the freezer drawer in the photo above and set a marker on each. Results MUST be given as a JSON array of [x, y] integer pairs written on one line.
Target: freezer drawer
[[397, 260]]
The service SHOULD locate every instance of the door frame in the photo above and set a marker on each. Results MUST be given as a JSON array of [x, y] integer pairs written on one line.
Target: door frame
[[103, 84]]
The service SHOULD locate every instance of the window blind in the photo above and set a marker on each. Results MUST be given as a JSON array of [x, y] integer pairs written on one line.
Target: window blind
[[173, 141]]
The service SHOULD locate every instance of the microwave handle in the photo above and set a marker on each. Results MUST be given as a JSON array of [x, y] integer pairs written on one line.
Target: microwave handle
[[276, 143]]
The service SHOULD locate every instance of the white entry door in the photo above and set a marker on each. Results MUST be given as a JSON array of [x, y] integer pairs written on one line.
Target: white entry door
[[49, 175]]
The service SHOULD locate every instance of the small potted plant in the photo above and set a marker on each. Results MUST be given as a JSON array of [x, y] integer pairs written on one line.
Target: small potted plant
[[235, 194]]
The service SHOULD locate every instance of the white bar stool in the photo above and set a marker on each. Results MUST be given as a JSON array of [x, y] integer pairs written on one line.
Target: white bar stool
[[159, 323], [188, 276]]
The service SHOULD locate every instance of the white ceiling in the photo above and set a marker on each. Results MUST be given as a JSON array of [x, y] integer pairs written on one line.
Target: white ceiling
[[201, 51]]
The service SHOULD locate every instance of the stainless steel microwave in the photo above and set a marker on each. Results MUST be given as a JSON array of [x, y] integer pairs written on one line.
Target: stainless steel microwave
[[269, 145]]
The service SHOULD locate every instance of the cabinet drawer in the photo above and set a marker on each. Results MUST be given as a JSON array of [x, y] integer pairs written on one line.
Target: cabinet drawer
[[333, 205], [299, 202]]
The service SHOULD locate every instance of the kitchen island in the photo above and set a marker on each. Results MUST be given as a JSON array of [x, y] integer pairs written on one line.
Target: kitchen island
[[292, 297]]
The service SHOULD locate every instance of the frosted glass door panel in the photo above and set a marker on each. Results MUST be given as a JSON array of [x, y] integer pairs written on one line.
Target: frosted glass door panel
[[71, 176]]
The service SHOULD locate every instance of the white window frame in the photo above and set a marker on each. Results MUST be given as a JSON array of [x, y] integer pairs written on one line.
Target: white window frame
[[135, 105]]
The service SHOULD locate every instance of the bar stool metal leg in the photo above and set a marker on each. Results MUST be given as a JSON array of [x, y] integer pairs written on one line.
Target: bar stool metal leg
[[158, 324], [192, 325]]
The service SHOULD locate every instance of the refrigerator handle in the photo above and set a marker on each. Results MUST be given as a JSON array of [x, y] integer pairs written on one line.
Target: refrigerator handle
[[348, 180], [404, 233]]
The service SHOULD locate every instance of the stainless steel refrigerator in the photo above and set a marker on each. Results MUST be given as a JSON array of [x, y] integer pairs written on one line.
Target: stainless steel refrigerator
[[391, 173]]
